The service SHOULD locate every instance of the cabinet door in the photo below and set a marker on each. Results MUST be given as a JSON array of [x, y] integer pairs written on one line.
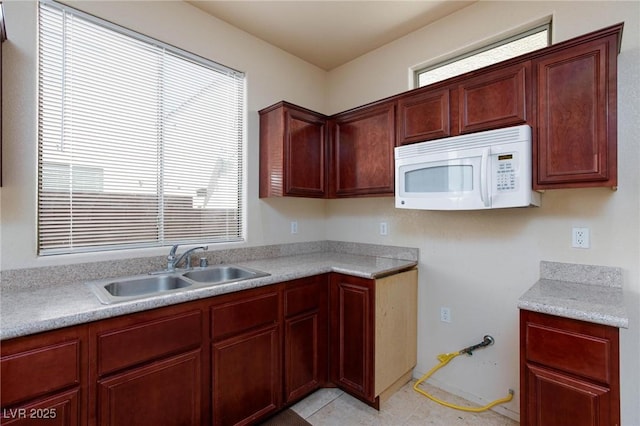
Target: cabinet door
[[166, 392], [352, 323], [246, 377], [556, 399], [362, 152], [305, 336], [495, 99], [423, 115], [576, 112], [305, 153], [293, 152]]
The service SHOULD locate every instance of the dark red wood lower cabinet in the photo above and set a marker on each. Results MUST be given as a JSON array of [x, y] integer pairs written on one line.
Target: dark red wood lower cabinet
[[569, 372], [246, 377], [305, 336], [352, 317], [233, 359], [246, 363], [166, 392], [44, 378]]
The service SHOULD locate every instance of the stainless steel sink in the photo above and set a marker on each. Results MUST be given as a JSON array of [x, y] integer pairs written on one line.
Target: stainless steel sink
[[145, 285], [120, 290], [223, 273], [141, 286]]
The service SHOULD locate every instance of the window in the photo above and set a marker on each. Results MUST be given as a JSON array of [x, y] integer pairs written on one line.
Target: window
[[140, 143], [511, 47]]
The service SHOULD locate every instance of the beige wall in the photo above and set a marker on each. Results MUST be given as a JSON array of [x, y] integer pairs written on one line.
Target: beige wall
[[476, 263], [479, 263]]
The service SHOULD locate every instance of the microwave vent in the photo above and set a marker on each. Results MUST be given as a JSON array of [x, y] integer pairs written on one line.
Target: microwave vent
[[471, 140]]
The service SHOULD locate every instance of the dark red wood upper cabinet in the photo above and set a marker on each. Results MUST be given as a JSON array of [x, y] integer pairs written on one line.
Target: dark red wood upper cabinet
[[484, 100], [576, 138], [495, 99], [293, 151], [565, 92], [424, 115], [362, 151], [560, 385]]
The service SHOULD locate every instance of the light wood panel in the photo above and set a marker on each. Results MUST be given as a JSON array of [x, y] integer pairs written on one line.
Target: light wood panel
[[396, 328]]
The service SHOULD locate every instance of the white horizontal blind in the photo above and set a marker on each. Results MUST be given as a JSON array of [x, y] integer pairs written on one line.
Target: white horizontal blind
[[140, 144]]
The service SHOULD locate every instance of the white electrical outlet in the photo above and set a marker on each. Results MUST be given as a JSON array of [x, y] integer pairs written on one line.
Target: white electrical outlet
[[384, 228], [294, 227], [580, 238], [445, 314]]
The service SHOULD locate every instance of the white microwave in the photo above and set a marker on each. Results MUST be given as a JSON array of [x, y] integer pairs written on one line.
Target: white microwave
[[484, 170]]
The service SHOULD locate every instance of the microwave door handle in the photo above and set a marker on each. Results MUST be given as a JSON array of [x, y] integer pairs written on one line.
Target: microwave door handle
[[484, 177]]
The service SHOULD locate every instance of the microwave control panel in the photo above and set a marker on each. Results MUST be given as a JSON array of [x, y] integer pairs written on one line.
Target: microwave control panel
[[506, 169]]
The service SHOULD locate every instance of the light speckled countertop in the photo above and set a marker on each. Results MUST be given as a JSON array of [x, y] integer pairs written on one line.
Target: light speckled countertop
[[29, 309], [582, 292]]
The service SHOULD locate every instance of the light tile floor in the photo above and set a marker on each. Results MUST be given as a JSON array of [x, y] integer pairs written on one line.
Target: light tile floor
[[332, 407]]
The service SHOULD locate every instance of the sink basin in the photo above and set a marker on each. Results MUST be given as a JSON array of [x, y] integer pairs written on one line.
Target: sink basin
[[141, 286], [145, 285], [135, 287], [218, 274]]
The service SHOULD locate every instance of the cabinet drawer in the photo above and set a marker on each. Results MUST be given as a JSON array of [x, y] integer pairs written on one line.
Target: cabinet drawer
[[305, 295], [62, 409], [29, 374], [570, 351], [142, 342], [238, 315]]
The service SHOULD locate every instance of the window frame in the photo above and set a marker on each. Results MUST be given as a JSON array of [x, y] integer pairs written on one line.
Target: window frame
[[117, 246], [474, 51]]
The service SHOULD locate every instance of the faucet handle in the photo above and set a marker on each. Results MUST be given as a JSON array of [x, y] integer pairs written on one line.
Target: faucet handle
[[171, 258]]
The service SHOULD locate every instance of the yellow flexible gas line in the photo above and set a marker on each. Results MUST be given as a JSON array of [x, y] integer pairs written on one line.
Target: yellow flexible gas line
[[444, 360]]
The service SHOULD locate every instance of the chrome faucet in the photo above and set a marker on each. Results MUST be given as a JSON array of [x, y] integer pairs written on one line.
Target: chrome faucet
[[173, 261]]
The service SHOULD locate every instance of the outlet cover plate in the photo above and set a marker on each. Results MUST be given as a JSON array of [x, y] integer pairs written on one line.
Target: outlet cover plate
[[445, 314], [580, 238]]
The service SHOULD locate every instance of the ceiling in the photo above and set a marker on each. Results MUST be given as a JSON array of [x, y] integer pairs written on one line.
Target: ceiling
[[330, 33]]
